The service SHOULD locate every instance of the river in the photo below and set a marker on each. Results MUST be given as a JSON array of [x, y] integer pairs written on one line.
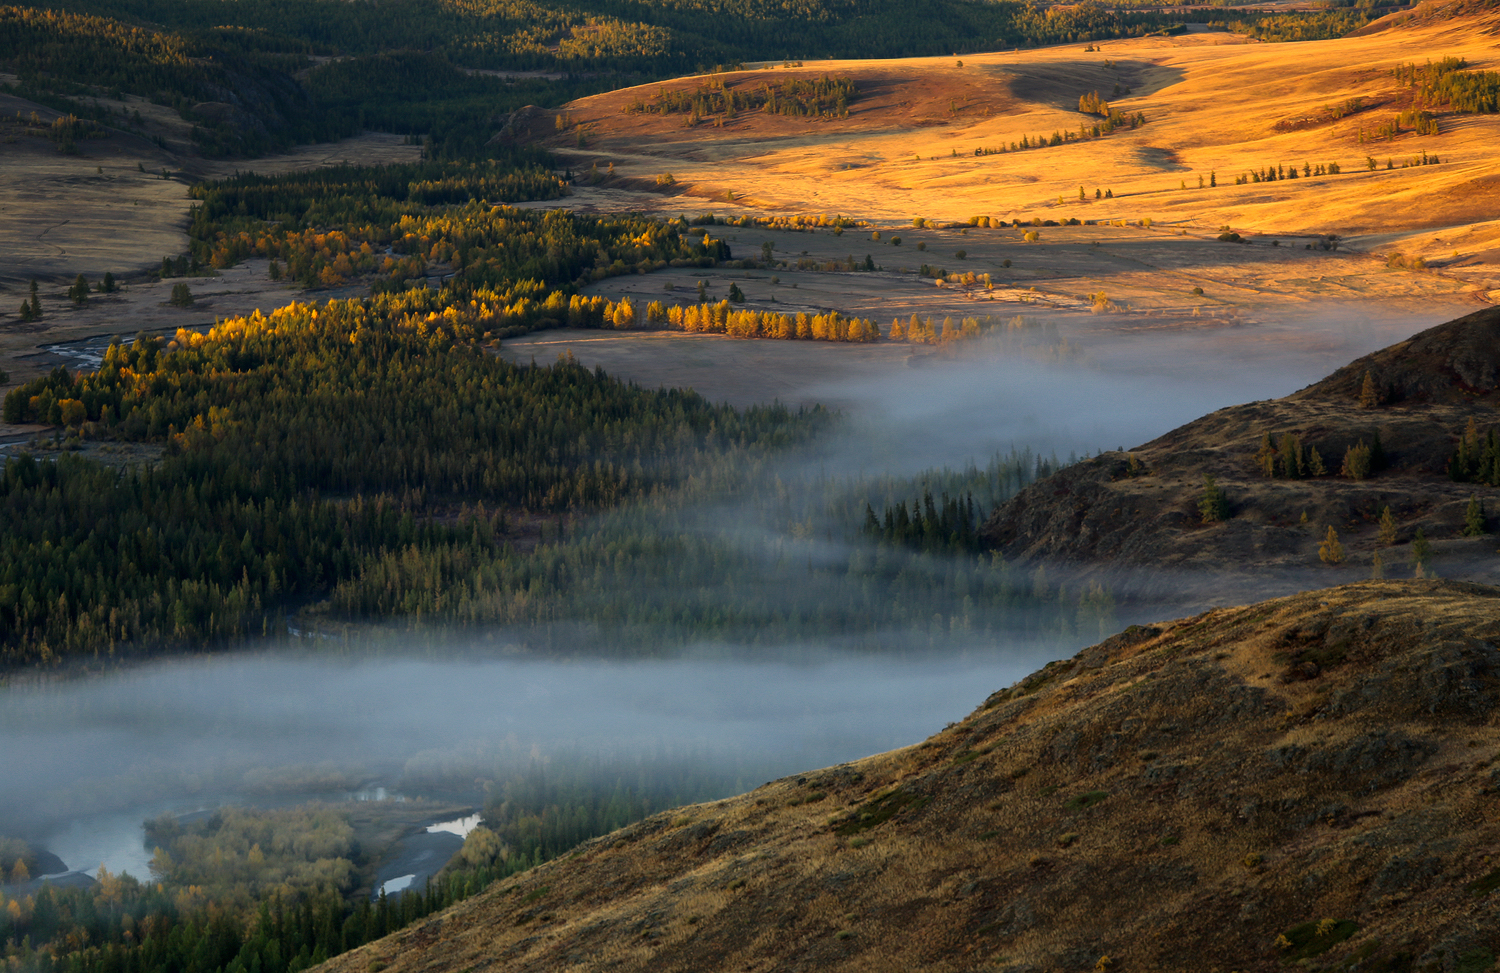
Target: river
[[87, 760]]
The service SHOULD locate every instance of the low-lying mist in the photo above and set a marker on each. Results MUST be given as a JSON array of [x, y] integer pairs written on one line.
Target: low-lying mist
[[710, 640], [267, 726], [1120, 382]]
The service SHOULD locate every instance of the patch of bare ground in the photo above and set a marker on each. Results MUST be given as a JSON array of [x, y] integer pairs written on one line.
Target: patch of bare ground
[[1137, 513], [1312, 777]]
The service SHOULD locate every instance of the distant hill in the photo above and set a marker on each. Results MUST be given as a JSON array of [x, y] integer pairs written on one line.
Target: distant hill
[[1311, 778], [1106, 514], [1428, 12]]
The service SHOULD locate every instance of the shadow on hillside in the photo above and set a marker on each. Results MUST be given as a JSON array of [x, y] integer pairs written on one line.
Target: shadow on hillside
[[1060, 85], [1182, 253]]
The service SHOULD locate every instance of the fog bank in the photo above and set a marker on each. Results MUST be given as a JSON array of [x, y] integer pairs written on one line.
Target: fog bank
[[178, 731]]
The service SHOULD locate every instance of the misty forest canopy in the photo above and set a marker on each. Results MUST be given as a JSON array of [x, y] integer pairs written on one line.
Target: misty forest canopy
[[372, 458], [294, 72]]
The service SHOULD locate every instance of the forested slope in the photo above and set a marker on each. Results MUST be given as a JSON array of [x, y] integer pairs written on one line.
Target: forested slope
[[266, 74]]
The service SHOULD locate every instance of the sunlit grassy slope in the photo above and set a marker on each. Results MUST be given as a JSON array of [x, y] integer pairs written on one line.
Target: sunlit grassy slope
[[1212, 102]]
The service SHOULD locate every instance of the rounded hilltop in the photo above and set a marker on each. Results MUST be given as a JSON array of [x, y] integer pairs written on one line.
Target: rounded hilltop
[[1457, 362]]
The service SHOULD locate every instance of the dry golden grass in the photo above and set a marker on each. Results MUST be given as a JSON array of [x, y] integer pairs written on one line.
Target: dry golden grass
[[1174, 798], [108, 207], [1145, 528], [1212, 102]]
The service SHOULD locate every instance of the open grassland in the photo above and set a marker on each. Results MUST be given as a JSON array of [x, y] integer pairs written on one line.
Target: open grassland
[[1212, 102], [120, 203], [1266, 307], [1215, 105]]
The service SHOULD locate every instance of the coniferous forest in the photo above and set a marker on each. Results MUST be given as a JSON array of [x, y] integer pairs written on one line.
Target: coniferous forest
[[292, 73], [371, 463], [334, 464]]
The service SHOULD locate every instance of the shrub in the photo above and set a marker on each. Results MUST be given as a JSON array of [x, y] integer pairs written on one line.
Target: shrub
[[1474, 518], [1085, 800], [1486, 885], [1331, 551], [1213, 505], [878, 811], [1357, 463], [665, 179], [1314, 938]]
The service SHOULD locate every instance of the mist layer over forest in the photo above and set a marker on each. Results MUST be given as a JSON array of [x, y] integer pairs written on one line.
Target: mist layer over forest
[[1120, 383], [758, 634]]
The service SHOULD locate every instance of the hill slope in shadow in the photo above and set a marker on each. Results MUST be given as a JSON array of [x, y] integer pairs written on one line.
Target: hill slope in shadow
[[1137, 512], [1309, 778]]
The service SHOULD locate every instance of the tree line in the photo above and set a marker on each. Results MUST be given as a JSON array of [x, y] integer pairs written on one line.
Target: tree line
[[794, 97], [277, 891], [1477, 458], [511, 269], [407, 66], [299, 445], [1288, 457], [1447, 85], [949, 524]]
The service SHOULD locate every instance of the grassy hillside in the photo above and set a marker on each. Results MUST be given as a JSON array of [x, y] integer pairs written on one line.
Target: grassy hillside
[[1393, 453], [1353, 144], [1310, 778]]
